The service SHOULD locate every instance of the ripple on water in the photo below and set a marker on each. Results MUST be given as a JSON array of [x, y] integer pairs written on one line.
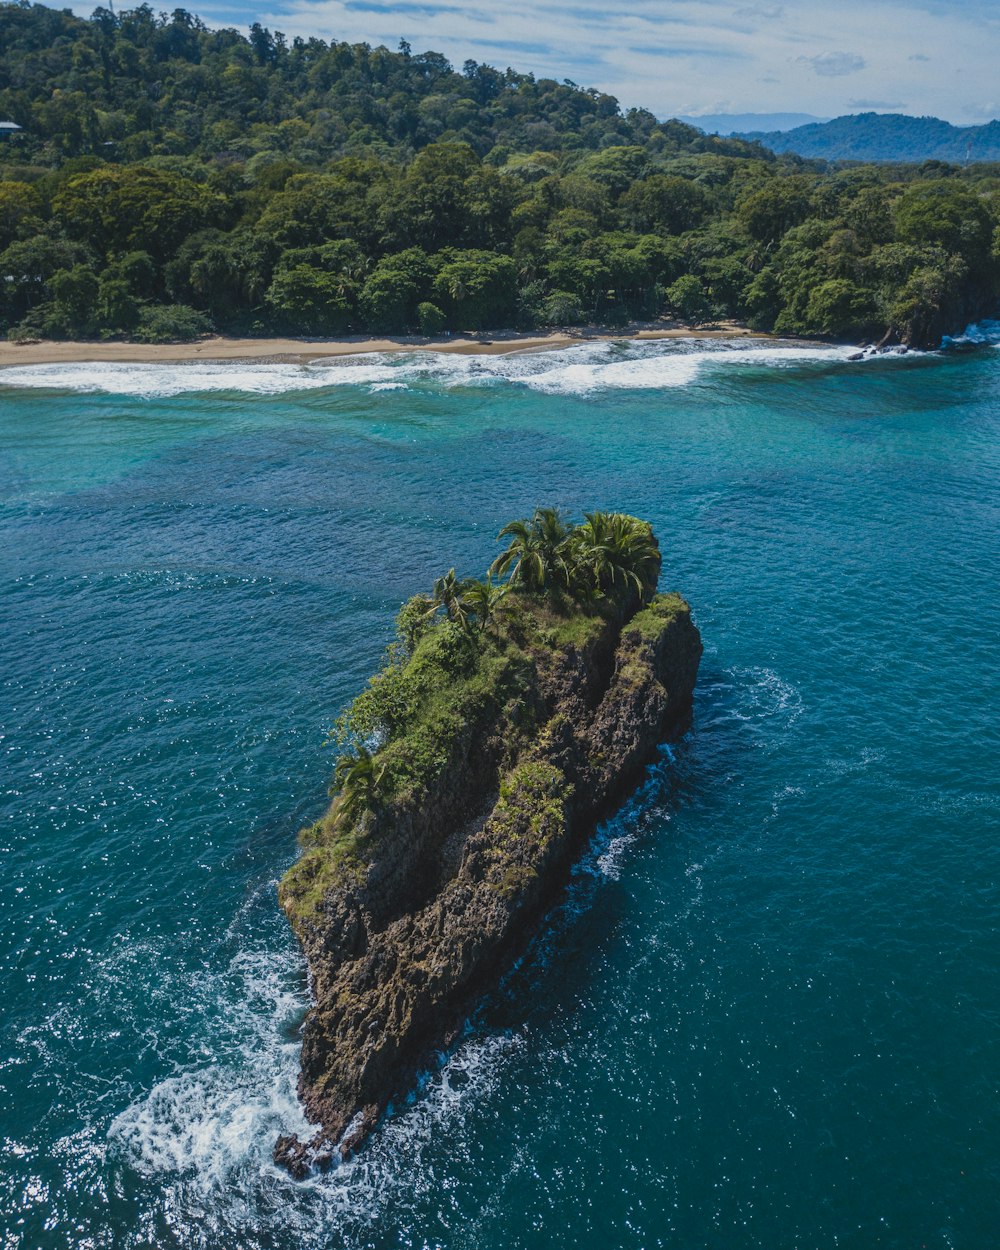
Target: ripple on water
[[765, 1012]]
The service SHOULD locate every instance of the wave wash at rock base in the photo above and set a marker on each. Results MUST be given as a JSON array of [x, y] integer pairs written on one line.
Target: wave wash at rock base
[[507, 741]]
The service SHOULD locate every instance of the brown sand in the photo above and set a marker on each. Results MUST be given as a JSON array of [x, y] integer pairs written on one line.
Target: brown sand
[[301, 351]]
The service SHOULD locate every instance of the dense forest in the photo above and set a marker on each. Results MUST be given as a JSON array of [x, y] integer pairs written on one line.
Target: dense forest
[[885, 137], [168, 180]]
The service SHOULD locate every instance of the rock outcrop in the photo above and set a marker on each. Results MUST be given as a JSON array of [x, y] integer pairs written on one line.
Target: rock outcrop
[[406, 926]]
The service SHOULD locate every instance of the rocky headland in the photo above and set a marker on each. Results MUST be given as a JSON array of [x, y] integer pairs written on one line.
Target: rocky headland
[[507, 722]]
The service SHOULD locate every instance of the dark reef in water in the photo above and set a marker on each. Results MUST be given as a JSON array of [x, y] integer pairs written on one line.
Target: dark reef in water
[[508, 730]]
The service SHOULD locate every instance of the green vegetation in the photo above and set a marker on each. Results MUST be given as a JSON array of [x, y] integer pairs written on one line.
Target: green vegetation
[[170, 179], [535, 796], [651, 620], [464, 641], [462, 672]]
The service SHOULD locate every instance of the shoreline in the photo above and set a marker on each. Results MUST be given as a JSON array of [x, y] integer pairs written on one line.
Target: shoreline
[[308, 351]]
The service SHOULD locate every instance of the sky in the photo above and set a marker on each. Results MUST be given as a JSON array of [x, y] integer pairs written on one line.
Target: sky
[[828, 57]]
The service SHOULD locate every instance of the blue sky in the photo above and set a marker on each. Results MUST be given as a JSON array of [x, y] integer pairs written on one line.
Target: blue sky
[[693, 56]]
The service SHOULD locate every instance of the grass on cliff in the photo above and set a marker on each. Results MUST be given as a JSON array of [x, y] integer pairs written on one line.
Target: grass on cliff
[[658, 612], [332, 854], [558, 622], [534, 797], [420, 714]]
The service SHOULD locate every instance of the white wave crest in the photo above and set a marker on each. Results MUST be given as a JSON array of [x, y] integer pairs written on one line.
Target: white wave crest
[[755, 703], [205, 1138], [577, 370], [160, 381], [208, 1122], [980, 333], [202, 1137], [666, 369], [212, 1121]]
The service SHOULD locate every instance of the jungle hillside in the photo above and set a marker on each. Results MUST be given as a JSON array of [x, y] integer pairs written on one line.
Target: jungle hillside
[[160, 180]]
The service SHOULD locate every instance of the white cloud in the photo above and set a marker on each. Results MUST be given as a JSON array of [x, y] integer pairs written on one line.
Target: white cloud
[[769, 13], [680, 56], [834, 64], [878, 106], [983, 112]]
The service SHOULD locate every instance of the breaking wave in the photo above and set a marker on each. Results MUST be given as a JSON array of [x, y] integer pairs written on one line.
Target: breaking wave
[[979, 334], [577, 370]]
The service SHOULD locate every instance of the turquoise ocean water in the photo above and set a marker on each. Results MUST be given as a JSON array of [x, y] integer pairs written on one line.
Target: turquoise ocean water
[[767, 1013]]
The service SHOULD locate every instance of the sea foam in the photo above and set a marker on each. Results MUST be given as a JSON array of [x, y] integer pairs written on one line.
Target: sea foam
[[979, 334], [160, 381], [208, 1121], [581, 369]]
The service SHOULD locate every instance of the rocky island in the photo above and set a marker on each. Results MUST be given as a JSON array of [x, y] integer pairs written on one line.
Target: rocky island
[[510, 717]]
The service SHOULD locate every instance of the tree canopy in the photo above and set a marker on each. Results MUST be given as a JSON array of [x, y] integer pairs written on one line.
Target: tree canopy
[[170, 178]]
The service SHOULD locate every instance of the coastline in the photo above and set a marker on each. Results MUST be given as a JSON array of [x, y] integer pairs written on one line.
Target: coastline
[[306, 351]]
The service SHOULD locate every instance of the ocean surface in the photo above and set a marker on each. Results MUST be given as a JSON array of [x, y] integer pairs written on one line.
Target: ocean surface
[[767, 1012]]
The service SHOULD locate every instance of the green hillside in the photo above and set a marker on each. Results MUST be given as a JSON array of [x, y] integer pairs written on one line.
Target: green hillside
[[168, 180], [140, 84]]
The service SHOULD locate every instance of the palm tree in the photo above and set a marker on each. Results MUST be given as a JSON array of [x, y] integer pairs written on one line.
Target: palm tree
[[616, 553], [590, 551], [536, 556], [355, 781], [522, 559], [639, 553], [447, 594], [457, 288], [414, 619], [484, 599]]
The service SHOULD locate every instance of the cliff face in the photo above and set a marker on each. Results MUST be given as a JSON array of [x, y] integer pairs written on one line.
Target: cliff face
[[418, 918]]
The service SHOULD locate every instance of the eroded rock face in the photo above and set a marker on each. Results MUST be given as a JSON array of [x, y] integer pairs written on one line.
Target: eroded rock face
[[401, 950]]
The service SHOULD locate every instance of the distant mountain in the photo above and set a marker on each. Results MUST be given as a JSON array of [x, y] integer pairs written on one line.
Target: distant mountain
[[885, 137], [735, 123]]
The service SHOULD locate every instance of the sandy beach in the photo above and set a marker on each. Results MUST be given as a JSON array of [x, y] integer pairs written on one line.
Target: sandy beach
[[301, 351]]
